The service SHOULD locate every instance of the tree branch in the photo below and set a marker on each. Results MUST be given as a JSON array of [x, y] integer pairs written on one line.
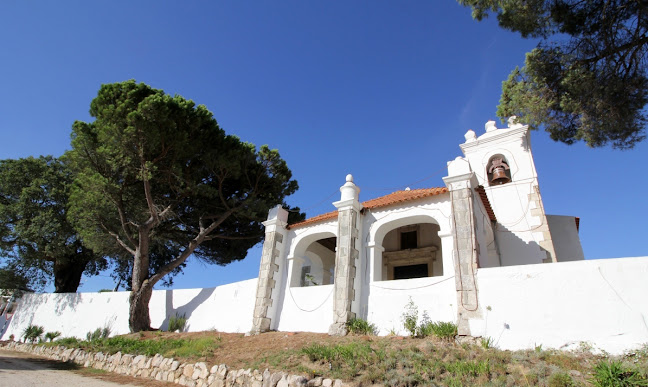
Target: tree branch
[[118, 239]]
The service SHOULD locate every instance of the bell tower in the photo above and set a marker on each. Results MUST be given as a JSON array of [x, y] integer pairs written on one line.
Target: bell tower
[[502, 161]]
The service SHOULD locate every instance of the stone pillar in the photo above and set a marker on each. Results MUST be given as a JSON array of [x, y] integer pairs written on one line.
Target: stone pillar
[[266, 295], [465, 249], [345, 257]]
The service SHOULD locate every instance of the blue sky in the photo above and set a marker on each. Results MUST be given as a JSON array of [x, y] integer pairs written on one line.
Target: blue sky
[[384, 90]]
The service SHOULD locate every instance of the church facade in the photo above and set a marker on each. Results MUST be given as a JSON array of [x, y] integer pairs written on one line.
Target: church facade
[[368, 259]]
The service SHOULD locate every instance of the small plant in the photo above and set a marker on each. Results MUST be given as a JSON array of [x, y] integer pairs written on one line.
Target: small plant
[[11, 337], [613, 374], [487, 342], [444, 330], [50, 336], [33, 333], [359, 326], [538, 348], [99, 333], [561, 379], [410, 317], [309, 280], [178, 323]]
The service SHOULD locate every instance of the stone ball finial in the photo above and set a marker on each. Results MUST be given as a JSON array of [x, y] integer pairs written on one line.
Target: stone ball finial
[[349, 178], [490, 126], [470, 135]]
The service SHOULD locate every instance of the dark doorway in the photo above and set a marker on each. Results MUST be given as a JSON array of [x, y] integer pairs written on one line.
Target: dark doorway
[[411, 271]]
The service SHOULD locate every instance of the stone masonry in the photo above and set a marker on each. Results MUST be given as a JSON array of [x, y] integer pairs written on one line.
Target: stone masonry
[[173, 371], [272, 245], [545, 242], [465, 250], [345, 257]]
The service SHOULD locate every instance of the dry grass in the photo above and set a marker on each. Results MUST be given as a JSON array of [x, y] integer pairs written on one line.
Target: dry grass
[[393, 361]]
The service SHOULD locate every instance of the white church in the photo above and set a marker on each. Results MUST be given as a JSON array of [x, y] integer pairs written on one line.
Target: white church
[[489, 214]]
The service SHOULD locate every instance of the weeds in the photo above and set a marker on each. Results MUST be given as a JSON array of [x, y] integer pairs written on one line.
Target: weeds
[[99, 333], [613, 374], [178, 323], [487, 342], [359, 326]]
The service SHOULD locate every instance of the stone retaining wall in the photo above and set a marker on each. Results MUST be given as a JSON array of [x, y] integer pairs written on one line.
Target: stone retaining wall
[[169, 370]]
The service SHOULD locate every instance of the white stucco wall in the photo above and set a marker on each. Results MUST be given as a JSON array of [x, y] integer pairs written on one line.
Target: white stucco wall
[[308, 309], [602, 302], [227, 308], [387, 301], [565, 238]]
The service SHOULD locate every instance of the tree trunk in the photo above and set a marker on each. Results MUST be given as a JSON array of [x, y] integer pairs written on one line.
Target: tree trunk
[[139, 319], [67, 274]]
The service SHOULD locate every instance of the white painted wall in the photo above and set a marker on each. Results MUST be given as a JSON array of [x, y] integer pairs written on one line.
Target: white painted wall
[[227, 308], [307, 309], [565, 238], [602, 302], [387, 301]]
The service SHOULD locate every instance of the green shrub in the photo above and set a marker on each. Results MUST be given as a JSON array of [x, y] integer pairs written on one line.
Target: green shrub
[[33, 333], [410, 318], [359, 326], [614, 374], [177, 323], [50, 336]]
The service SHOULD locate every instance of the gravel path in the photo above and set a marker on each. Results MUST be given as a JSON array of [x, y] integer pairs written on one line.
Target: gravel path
[[22, 370]]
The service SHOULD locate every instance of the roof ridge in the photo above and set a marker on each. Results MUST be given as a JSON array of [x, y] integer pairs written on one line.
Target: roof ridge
[[381, 201]]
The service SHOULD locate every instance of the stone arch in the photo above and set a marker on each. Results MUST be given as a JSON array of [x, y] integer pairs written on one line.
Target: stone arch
[[386, 262], [312, 263]]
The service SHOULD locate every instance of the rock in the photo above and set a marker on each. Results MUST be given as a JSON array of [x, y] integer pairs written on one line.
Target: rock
[[315, 382], [327, 383], [273, 379], [174, 365], [283, 382], [188, 370], [297, 381]]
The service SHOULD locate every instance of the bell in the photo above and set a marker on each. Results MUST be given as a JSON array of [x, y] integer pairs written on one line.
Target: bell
[[499, 176]]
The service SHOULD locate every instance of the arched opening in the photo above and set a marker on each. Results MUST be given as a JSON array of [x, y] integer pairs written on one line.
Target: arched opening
[[412, 251], [498, 170], [316, 264]]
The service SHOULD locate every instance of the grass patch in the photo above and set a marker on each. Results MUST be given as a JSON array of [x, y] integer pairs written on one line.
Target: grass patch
[[169, 347], [358, 326]]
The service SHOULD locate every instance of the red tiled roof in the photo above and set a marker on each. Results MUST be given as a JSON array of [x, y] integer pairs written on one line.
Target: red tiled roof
[[383, 201], [484, 198]]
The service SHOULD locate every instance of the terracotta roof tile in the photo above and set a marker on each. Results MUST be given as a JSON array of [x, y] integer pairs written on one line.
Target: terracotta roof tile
[[484, 198], [383, 201]]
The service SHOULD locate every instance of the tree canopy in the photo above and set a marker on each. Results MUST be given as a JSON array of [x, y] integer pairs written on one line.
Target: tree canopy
[[586, 79], [158, 181], [36, 240]]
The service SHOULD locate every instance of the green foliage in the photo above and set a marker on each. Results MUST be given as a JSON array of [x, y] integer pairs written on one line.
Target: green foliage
[[427, 327], [487, 342], [177, 323], [615, 374], [33, 333], [410, 317], [467, 367], [561, 379], [158, 181], [187, 348], [587, 79], [98, 334], [50, 336], [359, 326], [35, 235]]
